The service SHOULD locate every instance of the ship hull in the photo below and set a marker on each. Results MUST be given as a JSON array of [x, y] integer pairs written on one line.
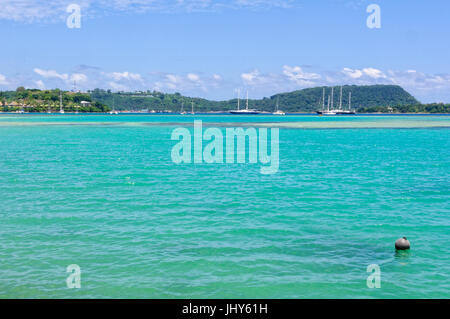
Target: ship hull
[[244, 113]]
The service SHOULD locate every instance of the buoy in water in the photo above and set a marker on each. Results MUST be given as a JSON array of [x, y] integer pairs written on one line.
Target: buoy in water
[[402, 244]]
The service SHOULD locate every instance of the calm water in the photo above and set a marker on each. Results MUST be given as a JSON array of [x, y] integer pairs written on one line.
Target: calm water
[[103, 193]]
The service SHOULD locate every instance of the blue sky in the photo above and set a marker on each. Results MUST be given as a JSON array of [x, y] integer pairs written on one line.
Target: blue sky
[[210, 48]]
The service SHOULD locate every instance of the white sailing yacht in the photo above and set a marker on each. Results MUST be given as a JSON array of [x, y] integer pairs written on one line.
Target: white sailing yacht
[[277, 111], [61, 110], [182, 109], [113, 111], [349, 111], [326, 111]]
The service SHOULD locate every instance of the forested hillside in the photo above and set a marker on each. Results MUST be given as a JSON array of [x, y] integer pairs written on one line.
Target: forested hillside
[[365, 99], [306, 100]]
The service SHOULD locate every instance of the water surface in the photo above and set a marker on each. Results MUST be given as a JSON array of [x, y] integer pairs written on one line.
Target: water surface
[[102, 192]]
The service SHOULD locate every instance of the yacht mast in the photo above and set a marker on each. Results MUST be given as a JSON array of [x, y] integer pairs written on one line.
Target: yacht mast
[[328, 103], [340, 101], [350, 101], [278, 98], [323, 99], [60, 101], [246, 106], [192, 107], [332, 98], [239, 93]]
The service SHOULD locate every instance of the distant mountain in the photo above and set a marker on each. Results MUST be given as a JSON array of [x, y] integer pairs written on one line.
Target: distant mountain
[[306, 100], [309, 100]]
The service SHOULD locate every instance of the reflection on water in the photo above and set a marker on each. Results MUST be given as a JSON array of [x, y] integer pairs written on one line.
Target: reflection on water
[[403, 256]]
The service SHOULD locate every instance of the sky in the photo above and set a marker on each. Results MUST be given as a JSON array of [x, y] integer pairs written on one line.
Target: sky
[[208, 48]]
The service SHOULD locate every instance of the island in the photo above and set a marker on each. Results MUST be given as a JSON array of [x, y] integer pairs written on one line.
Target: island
[[383, 99]]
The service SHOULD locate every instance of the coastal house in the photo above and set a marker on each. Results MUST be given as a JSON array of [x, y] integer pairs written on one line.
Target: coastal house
[[14, 104], [85, 103]]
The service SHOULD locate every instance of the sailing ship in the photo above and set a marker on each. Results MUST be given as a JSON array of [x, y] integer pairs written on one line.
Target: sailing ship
[[182, 112], [349, 111], [326, 111], [61, 110], [113, 111], [332, 110], [277, 111], [243, 111]]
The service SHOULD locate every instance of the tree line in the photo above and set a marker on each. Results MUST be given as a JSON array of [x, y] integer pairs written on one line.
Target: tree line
[[34, 100], [364, 99]]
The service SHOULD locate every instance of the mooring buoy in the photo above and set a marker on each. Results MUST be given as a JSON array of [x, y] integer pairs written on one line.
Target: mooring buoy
[[402, 244]]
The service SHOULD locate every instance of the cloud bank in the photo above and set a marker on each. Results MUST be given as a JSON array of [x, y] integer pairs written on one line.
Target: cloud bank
[[426, 87], [30, 11]]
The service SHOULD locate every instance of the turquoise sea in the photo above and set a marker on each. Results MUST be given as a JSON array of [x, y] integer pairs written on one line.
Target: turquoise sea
[[102, 192]]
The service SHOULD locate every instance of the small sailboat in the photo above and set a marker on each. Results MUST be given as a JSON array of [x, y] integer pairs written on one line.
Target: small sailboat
[[182, 112], [61, 110], [113, 111], [244, 111], [277, 111]]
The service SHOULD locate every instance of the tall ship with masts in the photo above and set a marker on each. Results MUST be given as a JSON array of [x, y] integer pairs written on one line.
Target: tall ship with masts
[[326, 111], [243, 111], [331, 110], [349, 110]]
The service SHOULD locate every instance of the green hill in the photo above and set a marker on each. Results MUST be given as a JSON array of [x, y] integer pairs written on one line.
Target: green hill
[[306, 100]]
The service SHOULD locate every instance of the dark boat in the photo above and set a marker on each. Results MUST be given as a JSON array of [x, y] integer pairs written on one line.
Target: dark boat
[[245, 111]]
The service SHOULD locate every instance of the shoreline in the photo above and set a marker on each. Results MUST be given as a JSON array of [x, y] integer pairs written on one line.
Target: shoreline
[[227, 113]]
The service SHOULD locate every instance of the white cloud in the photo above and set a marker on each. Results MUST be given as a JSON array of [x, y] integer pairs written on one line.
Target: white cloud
[[355, 74], [193, 77], [79, 78], [251, 77], [426, 87], [185, 82], [51, 74], [40, 84], [374, 73], [3, 80], [118, 86], [118, 76], [369, 72], [297, 75]]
